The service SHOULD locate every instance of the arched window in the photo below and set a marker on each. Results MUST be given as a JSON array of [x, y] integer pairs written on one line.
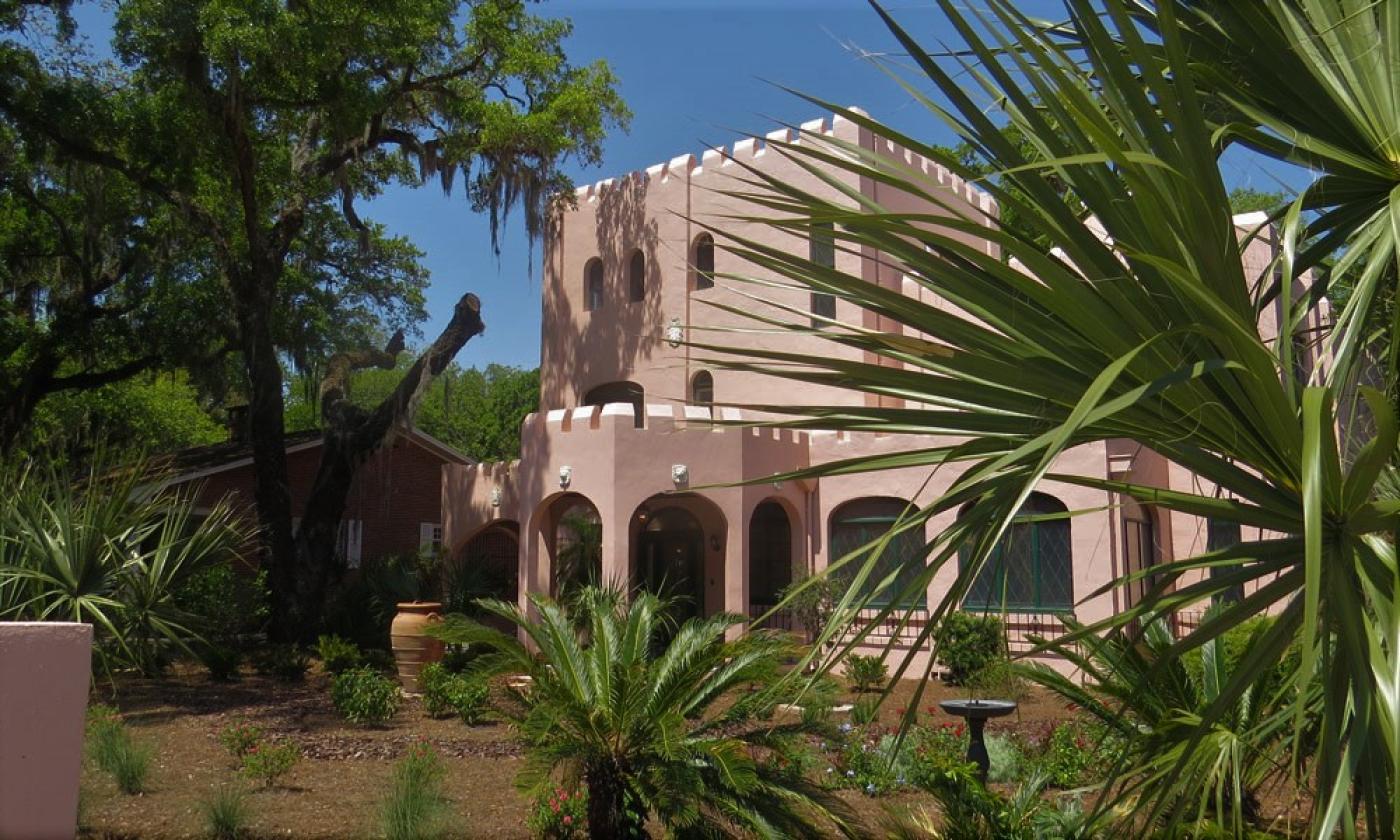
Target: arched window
[[857, 524], [704, 260], [619, 392], [637, 277], [593, 285], [702, 389], [821, 250], [1031, 568]]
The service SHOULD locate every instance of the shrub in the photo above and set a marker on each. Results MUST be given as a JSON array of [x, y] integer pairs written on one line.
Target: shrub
[[872, 765], [365, 696], [865, 710], [1005, 757], [560, 814], [415, 805], [114, 751], [226, 813], [811, 602], [229, 606], [268, 762], [937, 751], [866, 673], [338, 655], [818, 700], [967, 643], [286, 663], [1068, 753], [999, 679], [238, 739], [446, 693], [220, 660]]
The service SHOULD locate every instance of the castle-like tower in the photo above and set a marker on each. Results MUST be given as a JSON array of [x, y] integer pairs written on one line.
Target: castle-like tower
[[624, 441]]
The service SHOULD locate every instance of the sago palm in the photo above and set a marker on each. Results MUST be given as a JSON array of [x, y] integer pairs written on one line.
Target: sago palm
[[1139, 322], [654, 735]]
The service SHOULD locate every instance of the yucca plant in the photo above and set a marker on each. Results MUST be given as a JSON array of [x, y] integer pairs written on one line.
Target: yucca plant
[[647, 731], [1155, 705], [1118, 308], [106, 551]]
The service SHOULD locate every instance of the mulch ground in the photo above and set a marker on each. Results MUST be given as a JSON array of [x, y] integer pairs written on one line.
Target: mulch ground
[[335, 790]]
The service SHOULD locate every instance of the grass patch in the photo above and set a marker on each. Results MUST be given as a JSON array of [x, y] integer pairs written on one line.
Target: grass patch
[[415, 807], [226, 813], [111, 747]]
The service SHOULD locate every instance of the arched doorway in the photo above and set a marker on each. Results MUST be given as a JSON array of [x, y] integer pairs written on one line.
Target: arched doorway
[[770, 558], [577, 540], [487, 566], [669, 558]]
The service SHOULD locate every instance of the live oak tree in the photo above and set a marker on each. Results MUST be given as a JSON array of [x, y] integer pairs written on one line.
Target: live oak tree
[[259, 122]]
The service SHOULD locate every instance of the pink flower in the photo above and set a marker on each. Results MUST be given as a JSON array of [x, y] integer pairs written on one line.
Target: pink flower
[[568, 820]]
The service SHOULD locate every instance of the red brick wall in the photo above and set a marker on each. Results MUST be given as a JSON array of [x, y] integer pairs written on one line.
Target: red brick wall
[[400, 487]]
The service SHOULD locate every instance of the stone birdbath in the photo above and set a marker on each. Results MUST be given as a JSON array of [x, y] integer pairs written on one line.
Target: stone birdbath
[[976, 712]]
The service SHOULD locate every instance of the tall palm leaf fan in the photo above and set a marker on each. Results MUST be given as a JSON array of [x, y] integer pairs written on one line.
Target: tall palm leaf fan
[[1139, 323]]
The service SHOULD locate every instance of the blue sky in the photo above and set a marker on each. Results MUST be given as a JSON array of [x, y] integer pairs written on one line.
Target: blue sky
[[694, 73]]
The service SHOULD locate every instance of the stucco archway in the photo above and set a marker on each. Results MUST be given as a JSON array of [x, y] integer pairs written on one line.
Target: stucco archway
[[677, 543]]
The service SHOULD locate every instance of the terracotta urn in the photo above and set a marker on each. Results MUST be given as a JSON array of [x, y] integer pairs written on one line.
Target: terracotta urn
[[412, 648]]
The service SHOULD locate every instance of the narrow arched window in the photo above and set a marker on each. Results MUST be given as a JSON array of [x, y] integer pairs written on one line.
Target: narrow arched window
[[593, 285], [637, 277], [704, 260], [1031, 567], [821, 250], [702, 389]]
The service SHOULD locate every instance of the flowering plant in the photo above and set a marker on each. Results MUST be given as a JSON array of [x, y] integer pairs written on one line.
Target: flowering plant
[[560, 814], [267, 761], [239, 738]]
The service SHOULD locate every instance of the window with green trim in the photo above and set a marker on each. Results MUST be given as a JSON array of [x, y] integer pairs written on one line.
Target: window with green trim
[[1031, 568], [856, 525]]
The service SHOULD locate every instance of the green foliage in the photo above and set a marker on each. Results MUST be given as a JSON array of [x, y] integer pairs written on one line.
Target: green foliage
[[140, 415], [446, 693], [817, 701], [1006, 761], [99, 551], [999, 679], [478, 412], [268, 761], [338, 655], [415, 807], [865, 710], [239, 738], [363, 607], [229, 608], [811, 600], [283, 662], [639, 722], [970, 811], [968, 642], [1068, 754], [365, 696], [226, 813], [866, 673], [1247, 200], [559, 814], [112, 748], [1132, 328]]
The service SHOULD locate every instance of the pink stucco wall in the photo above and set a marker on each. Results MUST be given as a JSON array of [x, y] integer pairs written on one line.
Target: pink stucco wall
[[618, 465], [44, 671]]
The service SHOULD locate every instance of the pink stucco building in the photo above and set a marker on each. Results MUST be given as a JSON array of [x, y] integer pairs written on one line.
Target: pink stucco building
[[624, 434]]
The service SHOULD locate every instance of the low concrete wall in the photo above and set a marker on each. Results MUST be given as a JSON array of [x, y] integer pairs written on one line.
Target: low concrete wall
[[44, 673]]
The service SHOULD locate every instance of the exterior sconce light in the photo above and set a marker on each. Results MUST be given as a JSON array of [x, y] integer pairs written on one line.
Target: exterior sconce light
[[680, 474], [675, 333], [495, 497], [566, 475]]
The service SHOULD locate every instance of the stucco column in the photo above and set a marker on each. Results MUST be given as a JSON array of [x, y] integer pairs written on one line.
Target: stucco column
[[736, 567], [44, 671], [617, 546]]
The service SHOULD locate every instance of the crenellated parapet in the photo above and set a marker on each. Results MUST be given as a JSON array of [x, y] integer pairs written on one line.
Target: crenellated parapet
[[751, 151]]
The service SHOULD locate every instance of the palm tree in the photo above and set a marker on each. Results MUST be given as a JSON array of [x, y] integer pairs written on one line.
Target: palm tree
[[647, 732], [1139, 322]]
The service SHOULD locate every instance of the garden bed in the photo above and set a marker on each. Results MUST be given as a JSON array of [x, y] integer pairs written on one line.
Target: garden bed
[[334, 790]]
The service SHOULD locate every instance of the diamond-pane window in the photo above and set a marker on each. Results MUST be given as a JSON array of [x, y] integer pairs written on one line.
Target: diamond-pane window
[[857, 526], [1031, 568]]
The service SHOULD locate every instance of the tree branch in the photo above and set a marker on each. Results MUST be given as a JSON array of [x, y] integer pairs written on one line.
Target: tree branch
[[96, 378]]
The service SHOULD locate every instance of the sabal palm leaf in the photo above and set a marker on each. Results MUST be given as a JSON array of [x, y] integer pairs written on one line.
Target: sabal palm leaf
[[642, 727], [1140, 324]]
